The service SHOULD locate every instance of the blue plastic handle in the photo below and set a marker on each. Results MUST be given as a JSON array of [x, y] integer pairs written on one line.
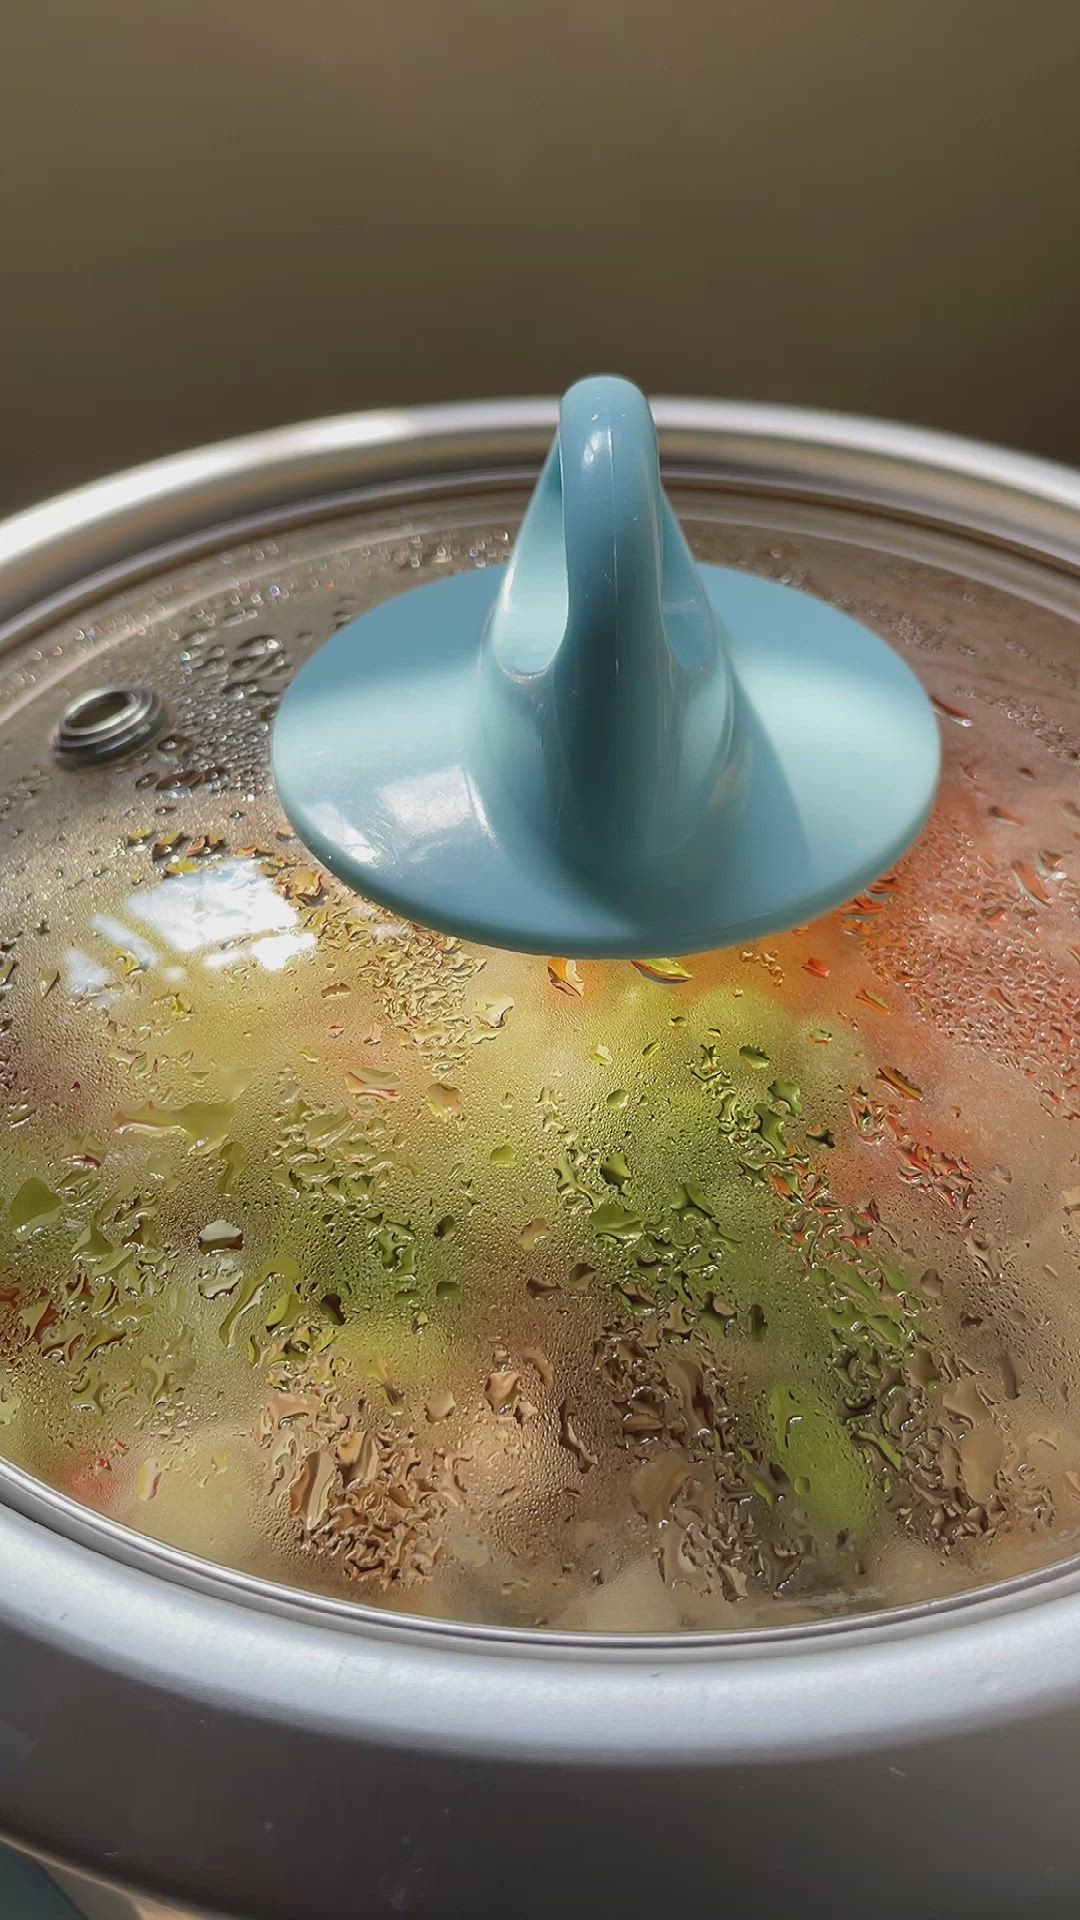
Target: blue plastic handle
[[604, 749], [607, 695]]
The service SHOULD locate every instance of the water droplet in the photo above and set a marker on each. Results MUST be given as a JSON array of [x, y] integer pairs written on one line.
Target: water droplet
[[616, 1222], [34, 1205], [755, 1057], [900, 1081], [668, 972], [564, 975], [615, 1170], [219, 1235]]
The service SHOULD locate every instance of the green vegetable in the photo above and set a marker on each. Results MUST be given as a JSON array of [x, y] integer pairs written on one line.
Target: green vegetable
[[812, 1446]]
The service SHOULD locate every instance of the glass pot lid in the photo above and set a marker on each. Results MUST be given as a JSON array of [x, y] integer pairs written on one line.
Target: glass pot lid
[[668, 1294]]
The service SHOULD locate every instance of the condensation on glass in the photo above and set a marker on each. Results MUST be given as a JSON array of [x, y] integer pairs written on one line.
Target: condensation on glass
[[719, 1292]]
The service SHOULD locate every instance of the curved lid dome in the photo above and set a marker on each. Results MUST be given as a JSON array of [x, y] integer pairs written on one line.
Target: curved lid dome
[[657, 1293]]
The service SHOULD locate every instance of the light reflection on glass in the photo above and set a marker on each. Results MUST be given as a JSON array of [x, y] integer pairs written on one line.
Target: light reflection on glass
[[126, 939], [192, 911], [85, 979]]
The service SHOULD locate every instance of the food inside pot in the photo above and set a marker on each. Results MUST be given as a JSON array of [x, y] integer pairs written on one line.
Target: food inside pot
[[704, 1293]]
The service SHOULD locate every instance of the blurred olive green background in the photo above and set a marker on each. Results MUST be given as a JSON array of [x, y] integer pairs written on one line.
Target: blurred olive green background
[[216, 217]]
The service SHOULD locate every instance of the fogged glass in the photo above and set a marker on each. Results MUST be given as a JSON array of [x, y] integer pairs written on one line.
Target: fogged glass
[[709, 1292]]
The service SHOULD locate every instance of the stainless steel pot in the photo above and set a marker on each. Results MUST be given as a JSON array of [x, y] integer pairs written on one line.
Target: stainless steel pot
[[223, 1746]]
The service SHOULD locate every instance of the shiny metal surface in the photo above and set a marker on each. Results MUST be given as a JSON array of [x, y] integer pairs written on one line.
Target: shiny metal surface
[[217, 1743], [56, 553]]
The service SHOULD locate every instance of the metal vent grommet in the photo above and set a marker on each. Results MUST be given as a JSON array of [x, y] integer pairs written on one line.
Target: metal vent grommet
[[106, 722]]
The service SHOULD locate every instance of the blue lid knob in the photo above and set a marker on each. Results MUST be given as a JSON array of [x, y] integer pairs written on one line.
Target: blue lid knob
[[604, 748]]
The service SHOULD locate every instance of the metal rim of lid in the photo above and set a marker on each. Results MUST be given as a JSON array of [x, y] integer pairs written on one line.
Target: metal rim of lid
[[75, 546], [168, 1622]]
